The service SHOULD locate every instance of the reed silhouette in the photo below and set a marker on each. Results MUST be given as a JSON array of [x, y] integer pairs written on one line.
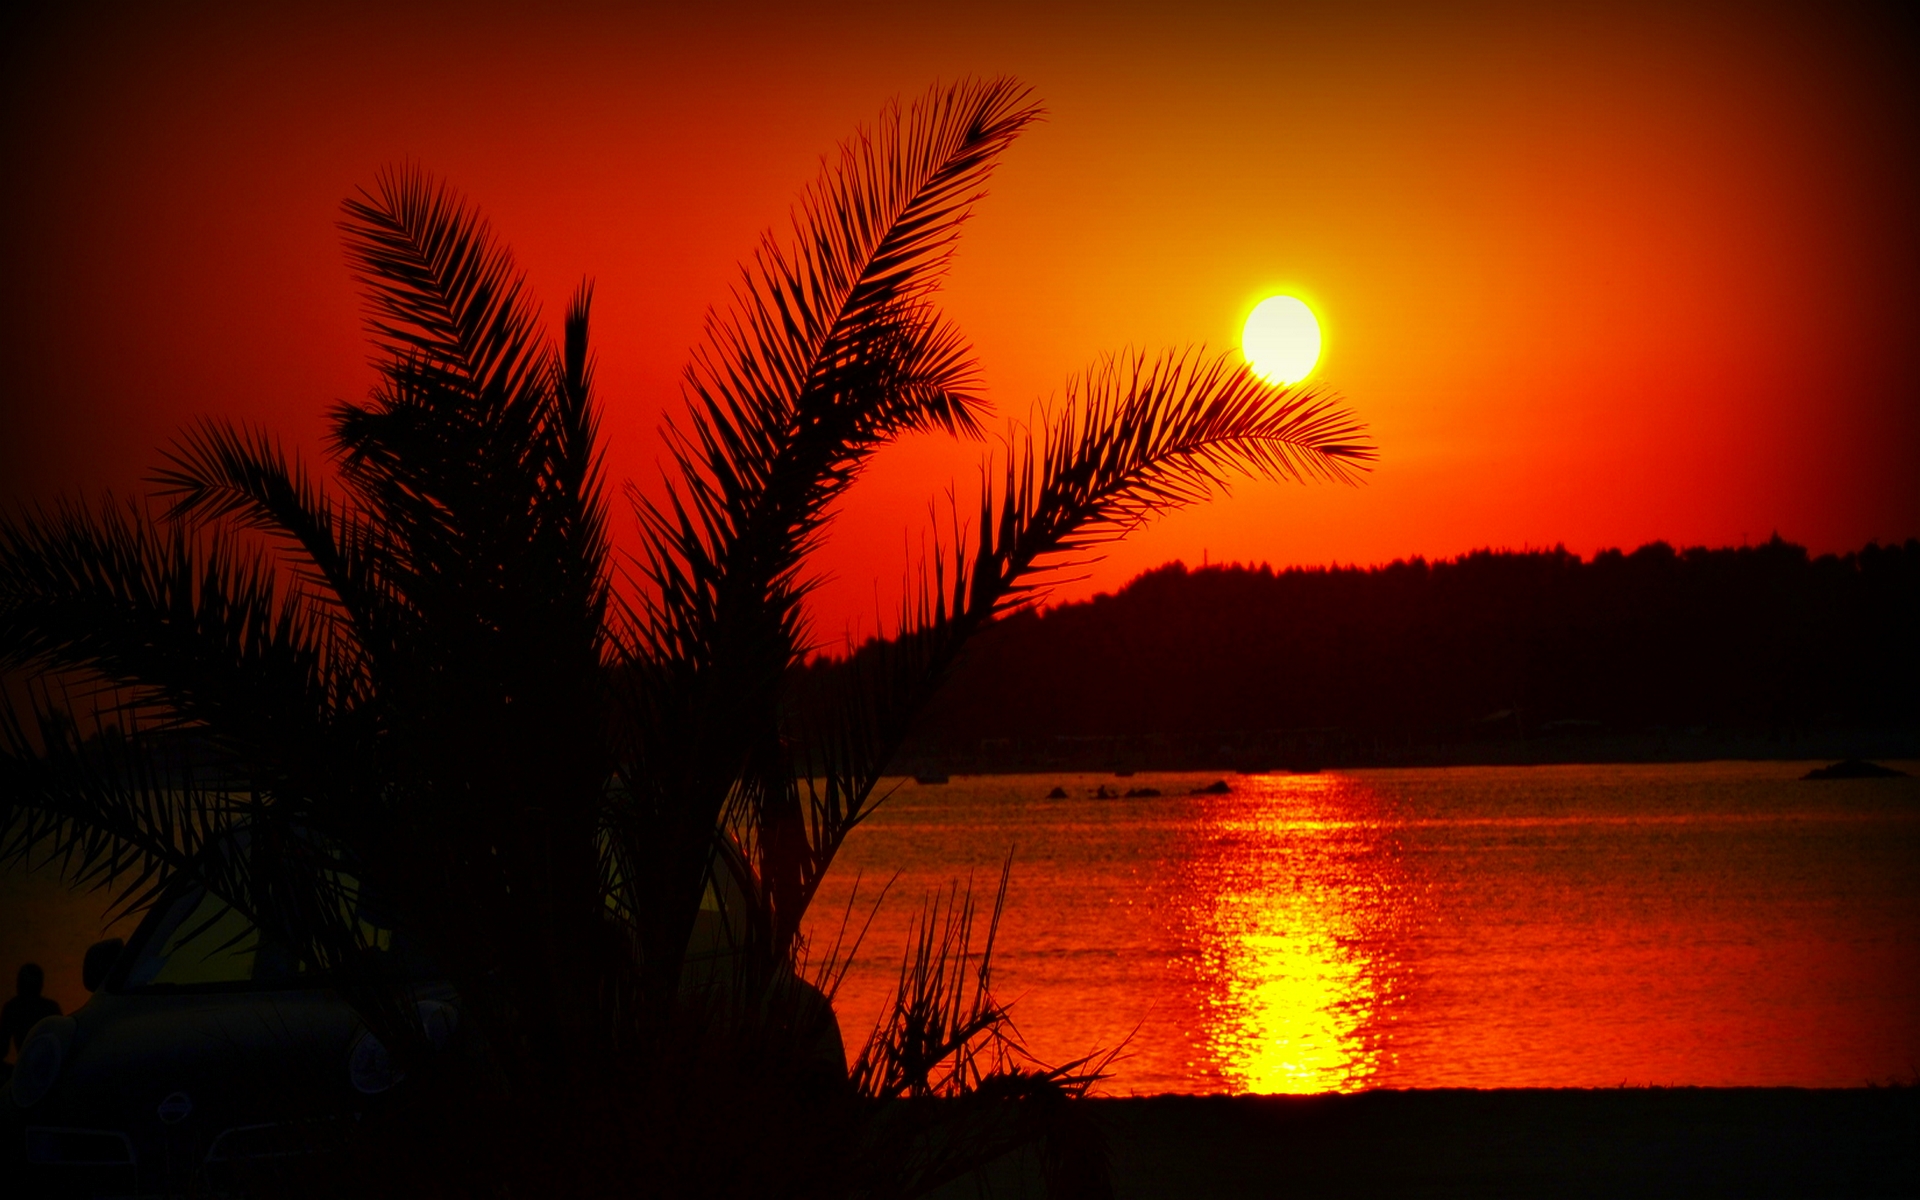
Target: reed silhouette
[[594, 801]]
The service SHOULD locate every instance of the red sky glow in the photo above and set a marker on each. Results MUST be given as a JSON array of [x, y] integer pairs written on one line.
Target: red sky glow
[[1593, 278]]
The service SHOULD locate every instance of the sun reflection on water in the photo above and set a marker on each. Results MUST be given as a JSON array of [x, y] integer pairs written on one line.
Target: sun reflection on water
[[1716, 924], [1301, 906]]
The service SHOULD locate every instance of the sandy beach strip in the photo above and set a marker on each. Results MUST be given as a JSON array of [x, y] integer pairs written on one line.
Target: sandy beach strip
[[1625, 1141]]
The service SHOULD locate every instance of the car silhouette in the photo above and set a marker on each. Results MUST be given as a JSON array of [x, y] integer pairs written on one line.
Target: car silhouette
[[205, 1053], [207, 1056]]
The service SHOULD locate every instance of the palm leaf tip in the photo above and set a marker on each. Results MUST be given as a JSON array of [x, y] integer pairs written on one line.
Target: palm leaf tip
[[1143, 435], [832, 346], [443, 297], [814, 319]]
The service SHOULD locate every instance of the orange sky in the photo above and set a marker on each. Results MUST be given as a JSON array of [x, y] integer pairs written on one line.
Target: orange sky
[[1594, 278]]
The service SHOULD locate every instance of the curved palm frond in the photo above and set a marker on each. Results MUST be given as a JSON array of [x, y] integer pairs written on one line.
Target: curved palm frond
[[218, 706], [477, 452], [129, 808], [116, 813], [219, 472], [1135, 438], [444, 300], [193, 625], [831, 346]]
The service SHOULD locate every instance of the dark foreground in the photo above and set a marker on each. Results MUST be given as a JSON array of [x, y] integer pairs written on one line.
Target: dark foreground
[[1625, 1142]]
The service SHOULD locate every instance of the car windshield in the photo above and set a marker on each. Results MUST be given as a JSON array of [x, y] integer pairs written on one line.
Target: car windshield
[[197, 941]]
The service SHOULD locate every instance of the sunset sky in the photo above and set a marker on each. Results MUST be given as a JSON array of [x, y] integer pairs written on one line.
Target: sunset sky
[[1592, 278]]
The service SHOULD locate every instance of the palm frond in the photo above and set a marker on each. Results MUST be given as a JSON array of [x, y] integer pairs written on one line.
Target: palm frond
[[107, 815], [831, 346], [1134, 439], [131, 810], [217, 471], [444, 301], [573, 485], [191, 623], [1138, 438], [478, 450]]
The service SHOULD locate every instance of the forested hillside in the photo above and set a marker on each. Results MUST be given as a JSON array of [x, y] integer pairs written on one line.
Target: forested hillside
[[1762, 641]]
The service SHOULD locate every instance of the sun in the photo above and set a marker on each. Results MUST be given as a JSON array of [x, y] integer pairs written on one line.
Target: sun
[[1281, 340]]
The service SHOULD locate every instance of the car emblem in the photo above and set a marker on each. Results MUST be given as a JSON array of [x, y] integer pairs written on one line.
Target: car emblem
[[174, 1108]]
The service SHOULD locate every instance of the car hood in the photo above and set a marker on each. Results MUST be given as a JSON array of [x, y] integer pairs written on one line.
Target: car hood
[[226, 1053]]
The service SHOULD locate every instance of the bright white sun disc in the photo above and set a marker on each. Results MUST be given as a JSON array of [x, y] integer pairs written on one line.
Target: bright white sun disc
[[1281, 339]]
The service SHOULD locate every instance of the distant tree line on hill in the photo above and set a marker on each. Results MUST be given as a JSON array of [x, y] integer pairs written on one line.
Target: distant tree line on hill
[[1761, 640]]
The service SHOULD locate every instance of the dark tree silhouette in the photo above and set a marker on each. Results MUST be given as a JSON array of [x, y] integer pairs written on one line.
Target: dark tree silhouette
[[421, 680], [1762, 642]]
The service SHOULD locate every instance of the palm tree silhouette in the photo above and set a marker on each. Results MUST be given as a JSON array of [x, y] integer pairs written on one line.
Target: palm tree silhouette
[[423, 681]]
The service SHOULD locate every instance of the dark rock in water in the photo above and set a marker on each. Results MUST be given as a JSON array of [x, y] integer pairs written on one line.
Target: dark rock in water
[[1217, 788], [1058, 793], [1142, 793], [1101, 793], [1854, 768]]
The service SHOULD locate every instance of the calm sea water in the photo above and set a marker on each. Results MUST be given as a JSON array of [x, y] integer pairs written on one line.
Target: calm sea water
[[1714, 924]]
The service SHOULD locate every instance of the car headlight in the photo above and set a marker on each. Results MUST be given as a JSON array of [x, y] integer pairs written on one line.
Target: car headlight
[[41, 1057], [438, 1020], [370, 1066]]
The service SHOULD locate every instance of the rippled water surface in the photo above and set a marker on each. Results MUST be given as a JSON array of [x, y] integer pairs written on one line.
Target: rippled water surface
[[1713, 924]]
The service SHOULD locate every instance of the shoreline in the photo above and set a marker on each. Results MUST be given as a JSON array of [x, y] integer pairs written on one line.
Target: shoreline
[[1625, 1141], [1310, 751]]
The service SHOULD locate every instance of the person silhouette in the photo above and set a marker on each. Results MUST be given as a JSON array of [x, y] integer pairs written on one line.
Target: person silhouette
[[26, 1008]]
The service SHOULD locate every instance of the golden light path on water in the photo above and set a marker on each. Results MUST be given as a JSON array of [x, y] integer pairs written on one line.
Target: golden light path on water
[[1293, 1003], [1288, 1018], [1294, 970]]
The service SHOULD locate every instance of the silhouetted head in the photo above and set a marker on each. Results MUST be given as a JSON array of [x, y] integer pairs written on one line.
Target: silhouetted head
[[31, 979]]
